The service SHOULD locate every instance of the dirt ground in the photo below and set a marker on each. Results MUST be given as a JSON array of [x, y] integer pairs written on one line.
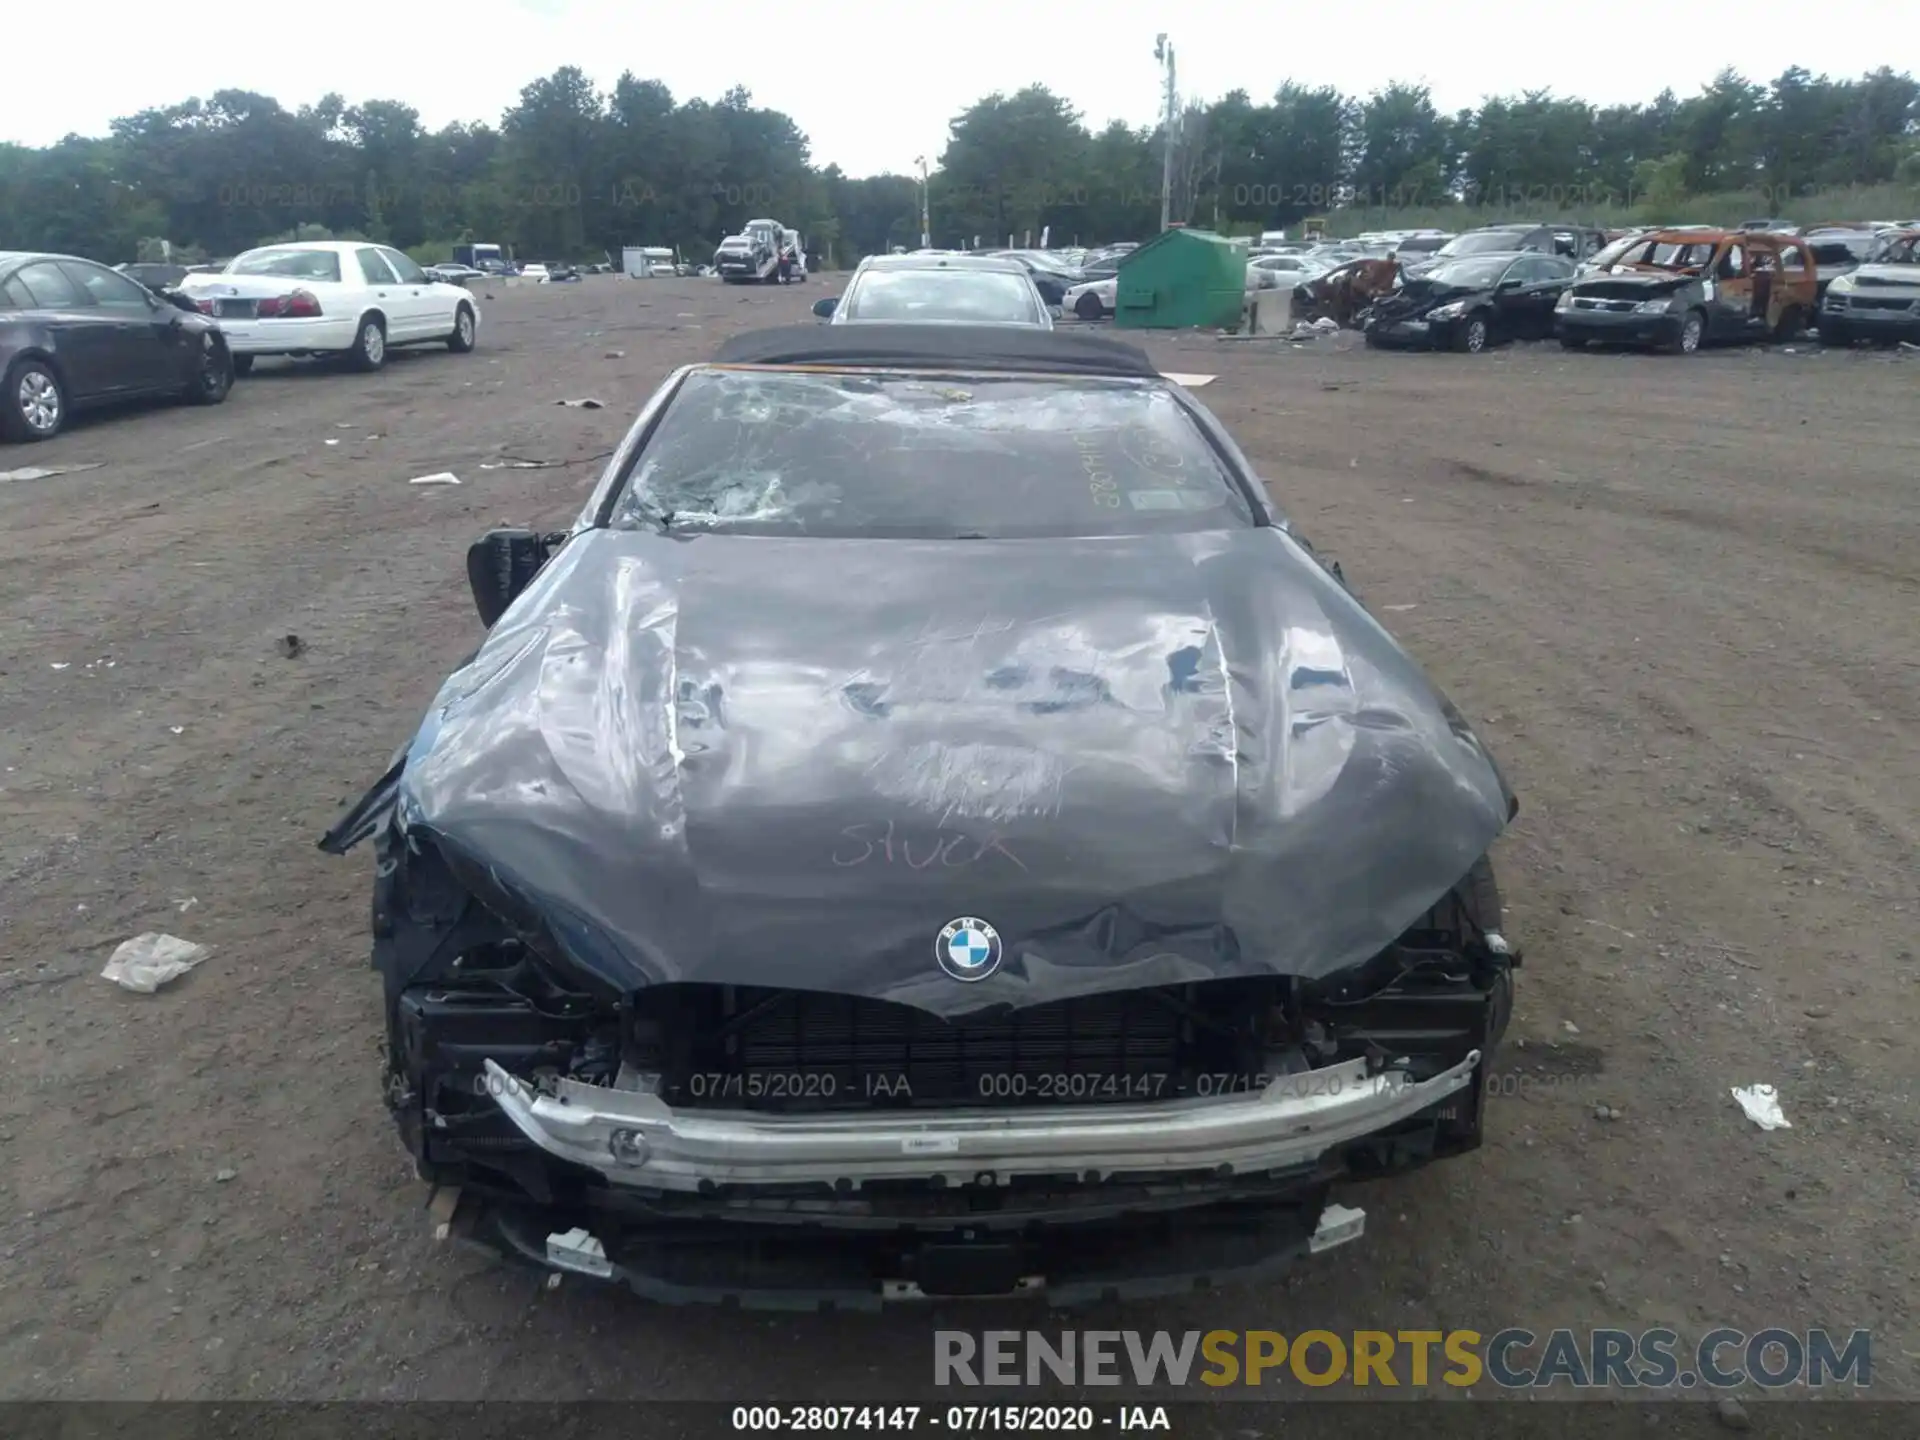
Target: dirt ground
[[1681, 597]]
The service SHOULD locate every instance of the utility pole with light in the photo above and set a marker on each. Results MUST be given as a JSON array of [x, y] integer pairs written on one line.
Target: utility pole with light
[[1163, 52], [926, 225]]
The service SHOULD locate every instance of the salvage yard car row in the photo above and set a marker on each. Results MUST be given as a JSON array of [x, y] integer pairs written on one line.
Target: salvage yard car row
[[74, 334], [1671, 290]]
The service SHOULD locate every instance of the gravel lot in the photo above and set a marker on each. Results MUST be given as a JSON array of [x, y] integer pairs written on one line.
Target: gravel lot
[[1681, 597]]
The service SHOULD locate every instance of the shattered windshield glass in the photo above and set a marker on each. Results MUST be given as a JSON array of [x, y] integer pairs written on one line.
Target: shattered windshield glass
[[768, 452], [1897, 250]]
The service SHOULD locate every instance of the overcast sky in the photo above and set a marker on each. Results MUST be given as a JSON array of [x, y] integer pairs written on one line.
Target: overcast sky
[[873, 85]]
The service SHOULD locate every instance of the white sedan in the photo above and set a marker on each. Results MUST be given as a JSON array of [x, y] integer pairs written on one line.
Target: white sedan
[[1091, 300], [332, 297]]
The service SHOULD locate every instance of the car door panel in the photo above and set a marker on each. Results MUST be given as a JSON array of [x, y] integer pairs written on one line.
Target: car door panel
[[385, 293], [429, 311], [83, 340], [145, 335]]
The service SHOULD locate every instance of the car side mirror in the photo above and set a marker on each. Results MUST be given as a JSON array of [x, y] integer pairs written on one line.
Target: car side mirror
[[501, 564], [824, 308]]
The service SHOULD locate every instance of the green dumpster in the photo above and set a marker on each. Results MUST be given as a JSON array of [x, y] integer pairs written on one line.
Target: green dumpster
[[1182, 279]]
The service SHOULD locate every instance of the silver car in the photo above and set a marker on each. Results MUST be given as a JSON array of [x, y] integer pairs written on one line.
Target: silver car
[[938, 289]]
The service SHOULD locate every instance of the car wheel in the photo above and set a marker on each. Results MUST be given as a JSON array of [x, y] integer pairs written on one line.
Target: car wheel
[[1473, 335], [1834, 332], [1789, 324], [36, 403], [1088, 307], [370, 350], [1692, 329], [242, 365], [1572, 342], [461, 341], [213, 377]]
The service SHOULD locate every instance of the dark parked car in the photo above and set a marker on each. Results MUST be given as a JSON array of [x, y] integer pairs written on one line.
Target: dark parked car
[[748, 937], [1472, 303], [1052, 278], [74, 334]]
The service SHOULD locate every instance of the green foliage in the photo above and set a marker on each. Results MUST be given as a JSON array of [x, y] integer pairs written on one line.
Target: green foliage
[[571, 170]]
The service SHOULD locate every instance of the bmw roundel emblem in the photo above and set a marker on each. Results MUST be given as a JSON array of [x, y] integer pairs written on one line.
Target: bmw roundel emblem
[[968, 949]]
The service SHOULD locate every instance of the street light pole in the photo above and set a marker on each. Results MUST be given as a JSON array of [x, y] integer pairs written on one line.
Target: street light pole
[[926, 224], [1163, 52]]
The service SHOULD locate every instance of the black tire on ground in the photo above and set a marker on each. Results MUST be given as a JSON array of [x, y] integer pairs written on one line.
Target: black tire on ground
[[1472, 336], [33, 405], [462, 340], [213, 377], [1790, 323], [1088, 307], [1834, 332], [1693, 329], [242, 365], [1572, 342], [370, 346]]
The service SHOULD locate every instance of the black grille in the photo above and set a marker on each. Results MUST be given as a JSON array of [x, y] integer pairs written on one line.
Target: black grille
[[797, 1050]]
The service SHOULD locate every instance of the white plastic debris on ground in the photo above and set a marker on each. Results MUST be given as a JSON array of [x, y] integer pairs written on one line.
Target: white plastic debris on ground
[[1762, 1105], [1192, 382], [146, 962], [47, 472], [440, 477]]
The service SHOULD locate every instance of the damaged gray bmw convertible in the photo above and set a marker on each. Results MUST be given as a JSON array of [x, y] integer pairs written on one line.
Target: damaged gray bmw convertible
[[929, 828]]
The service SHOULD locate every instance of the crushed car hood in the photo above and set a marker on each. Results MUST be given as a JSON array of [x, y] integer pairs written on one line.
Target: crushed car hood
[[790, 762], [1875, 276], [1632, 284]]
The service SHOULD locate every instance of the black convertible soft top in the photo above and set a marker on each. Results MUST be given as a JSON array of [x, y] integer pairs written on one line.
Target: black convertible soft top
[[929, 347]]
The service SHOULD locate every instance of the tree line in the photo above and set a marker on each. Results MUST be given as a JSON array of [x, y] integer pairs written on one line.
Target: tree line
[[572, 171]]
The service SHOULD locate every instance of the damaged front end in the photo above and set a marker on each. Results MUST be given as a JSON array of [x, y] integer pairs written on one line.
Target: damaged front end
[[799, 920], [782, 1148]]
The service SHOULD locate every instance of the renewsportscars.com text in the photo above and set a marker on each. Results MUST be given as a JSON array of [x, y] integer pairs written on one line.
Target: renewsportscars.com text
[[1510, 1359]]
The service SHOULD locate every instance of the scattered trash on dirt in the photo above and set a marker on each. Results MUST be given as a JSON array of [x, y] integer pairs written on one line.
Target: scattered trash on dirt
[[290, 646], [585, 402], [345, 425], [1192, 382], [146, 962], [441, 477], [187, 904], [616, 355], [329, 442], [1763, 1107], [1731, 1413], [61, 665], [523, 465], [178, 729], [223, 1177], [1400, 607], [47, 472], [1907, 347], [1569, 1027]]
